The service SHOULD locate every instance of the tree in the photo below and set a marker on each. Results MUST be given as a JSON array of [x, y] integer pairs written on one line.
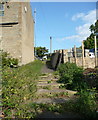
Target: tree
[[89, 42], [41, 51], [96, 27], [92, 28]]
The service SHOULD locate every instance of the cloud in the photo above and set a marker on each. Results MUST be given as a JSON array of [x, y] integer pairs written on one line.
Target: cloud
[[89, 17], [83, 31], [77, 16], [74, 38]]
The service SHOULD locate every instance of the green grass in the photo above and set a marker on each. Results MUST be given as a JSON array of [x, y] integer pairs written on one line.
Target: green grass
[[47, 87], [18, 88], [49, 81]]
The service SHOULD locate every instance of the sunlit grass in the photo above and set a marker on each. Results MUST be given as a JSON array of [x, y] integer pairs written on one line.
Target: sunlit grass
[[18, 87]]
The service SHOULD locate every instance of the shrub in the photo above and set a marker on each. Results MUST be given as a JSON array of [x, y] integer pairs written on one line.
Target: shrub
[[7, 60], [71, 75], [91, 77], [86, 104]]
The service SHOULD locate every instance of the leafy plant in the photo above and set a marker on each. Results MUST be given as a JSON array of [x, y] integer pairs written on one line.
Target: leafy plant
[[71, 75], [86, 104], [49, 81], [91, 77], [62, 86], [7, 60], [18, 88], [47, 87]]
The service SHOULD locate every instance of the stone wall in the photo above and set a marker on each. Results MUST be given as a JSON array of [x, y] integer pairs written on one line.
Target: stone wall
[[11, 32], [18, 31], [87, 63], [27, 34]]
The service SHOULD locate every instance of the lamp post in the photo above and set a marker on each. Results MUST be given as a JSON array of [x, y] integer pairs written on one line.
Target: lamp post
[[50, 45], [35, 31]]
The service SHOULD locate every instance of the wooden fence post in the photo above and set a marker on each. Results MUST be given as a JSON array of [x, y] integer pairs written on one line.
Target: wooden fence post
[[75, 55], [95, 51], [83, 54]]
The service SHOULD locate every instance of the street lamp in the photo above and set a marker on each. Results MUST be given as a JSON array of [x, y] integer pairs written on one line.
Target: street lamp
[[50, 45], [35, 31]]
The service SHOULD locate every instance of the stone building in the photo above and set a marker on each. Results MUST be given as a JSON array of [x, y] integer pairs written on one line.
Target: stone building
[[17, 30]]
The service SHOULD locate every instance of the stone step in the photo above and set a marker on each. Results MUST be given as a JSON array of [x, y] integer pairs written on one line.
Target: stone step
[[53, 79], [57, 85], [66, 115], [49, 81], [49, 76], [55, 91], [51, 100], [52, 84], [46, 80], [44, 76]]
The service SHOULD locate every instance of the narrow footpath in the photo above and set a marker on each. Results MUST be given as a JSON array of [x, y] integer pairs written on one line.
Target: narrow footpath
[[49, 91]]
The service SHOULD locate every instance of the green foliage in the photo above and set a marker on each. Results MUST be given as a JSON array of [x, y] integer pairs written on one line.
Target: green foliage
[[62, 86], [50, 107], [86, 104], [96, 27], [47, 87], [49, 81], [70, 74], [92, 28], [41, 51], [92, 78], [18, 88], [8, 61], [89, 42]]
